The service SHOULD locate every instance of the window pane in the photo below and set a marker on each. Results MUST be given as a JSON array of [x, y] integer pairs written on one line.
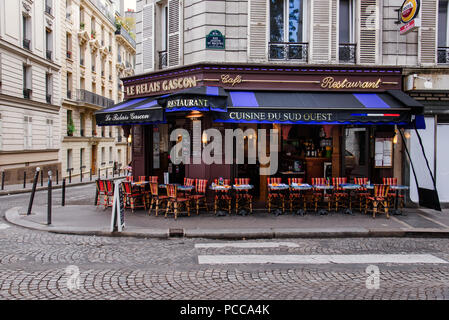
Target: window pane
[[295, 21], [277, 20], [442, 24], [344, 21]]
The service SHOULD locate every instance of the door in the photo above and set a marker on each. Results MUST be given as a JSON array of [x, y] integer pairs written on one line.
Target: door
[[93, 158], [356, 152]]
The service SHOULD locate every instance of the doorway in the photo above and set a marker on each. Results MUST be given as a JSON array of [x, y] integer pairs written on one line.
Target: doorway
[[355, 157], [93, 158]]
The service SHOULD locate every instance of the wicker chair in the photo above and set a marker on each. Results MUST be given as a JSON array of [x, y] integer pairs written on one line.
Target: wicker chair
[[153, 179], [175, 203], [362, 192], [133, 198], [339, 195], [392, 193], [318, 194], [156, 199], [242, 197], [199, 198], [223, 196], [379, 200], [275, 196], [295, 195]]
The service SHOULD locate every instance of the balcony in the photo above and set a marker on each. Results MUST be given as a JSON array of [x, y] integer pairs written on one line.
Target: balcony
[[288, 51], [347, 52], [69, 94], [443, 55], [121, 31], [27, 93], [26, 44], [48, 54], [69, 54], [93, 98], [162, 59]]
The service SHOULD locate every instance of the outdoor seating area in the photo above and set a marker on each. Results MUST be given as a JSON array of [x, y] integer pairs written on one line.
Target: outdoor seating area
[[322, 196]]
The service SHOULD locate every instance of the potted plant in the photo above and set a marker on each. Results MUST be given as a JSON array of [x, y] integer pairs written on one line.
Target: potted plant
[[70, 128], [82, 25], [92, 35]]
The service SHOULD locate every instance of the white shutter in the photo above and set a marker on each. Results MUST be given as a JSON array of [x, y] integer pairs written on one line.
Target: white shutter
[[1, 133], [49, 133], [369, 31], [428, 32], [27, 137], [257, 35], [321, 31], [174, 43], [148, 37], [334, 30]]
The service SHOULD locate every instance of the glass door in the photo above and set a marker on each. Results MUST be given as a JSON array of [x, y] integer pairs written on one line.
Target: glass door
[[356, 153]]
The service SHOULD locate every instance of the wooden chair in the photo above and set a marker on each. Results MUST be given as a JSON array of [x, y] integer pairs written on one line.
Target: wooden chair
[[339, 195], [130, 178], [175, 203], [142, 179], [109, 191], [318, 194], [379, 200], [276, 196], [189, 181], [199, 198], [153, 179], [295, 195], [392, 193], [133, 198], [101, 192], [223, 196], [362, 192], [156, 199], [243, 198]]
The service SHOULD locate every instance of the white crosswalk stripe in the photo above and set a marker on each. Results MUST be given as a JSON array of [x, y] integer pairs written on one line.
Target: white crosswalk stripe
[[3, 226], [246, 245]]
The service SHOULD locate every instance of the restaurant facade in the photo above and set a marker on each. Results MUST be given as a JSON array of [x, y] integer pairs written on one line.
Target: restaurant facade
[[329, 121]]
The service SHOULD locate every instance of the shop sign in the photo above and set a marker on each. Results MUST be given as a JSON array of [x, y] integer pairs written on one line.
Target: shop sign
[[331, 83], [281, 116], [408, 15], [187, 103], [126, 117], [160, 86], [215, 40]]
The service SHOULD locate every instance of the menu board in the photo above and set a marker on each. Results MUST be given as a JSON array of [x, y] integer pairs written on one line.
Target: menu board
[[383, 157], [156, 157], [118, 209]]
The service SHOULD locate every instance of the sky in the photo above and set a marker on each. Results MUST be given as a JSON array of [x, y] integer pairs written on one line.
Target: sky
[[130, 4]]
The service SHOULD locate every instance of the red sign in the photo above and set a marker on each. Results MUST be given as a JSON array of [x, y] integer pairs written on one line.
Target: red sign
[[412, 25]]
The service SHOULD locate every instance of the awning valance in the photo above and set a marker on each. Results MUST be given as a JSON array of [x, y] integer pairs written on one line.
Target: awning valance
[[206, 98], [393, 107], [134, 111]]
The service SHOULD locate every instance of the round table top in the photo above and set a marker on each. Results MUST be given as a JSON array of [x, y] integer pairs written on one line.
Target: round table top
[[399, 187], [165, 186], [219, 188], [301, 186], [279, 186], [323, 186], [350, 186], [243, 186], [185, 187]]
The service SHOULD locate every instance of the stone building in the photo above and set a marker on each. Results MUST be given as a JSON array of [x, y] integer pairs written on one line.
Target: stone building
[[30, 86]]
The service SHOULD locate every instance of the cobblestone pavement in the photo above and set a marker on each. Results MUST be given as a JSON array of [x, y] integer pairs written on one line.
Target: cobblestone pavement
[[33, 265]]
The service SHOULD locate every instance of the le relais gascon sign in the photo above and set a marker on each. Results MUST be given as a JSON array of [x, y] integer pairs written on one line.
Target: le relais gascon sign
[[408, 15]]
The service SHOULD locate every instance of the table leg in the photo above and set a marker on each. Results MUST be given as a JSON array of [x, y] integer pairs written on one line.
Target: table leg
[[349, 208]]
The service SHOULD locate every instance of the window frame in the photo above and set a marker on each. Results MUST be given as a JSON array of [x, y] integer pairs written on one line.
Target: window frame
[[286, 14], [352, 23]]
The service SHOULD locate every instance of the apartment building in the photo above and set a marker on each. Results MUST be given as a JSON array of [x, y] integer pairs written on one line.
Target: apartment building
[[30, 64], [97, 53]]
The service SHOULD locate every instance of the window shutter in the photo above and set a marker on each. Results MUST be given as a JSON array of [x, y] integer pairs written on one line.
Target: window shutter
[[174, 42], [428, 32], [321, 31], [369, 31], [1, 133], [258, 42], [148, 37], [334, 31]]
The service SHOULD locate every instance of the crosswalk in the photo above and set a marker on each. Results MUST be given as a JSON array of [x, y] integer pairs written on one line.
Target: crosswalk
[[225, 259]]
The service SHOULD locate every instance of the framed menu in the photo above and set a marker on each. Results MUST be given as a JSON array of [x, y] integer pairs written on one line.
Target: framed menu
[[383, 155]]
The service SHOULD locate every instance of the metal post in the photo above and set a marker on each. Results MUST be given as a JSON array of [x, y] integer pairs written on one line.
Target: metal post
[[49, 199], [81, 174], [42, 178], [106, 173], [70, 175], [24, 179], [90, 172], [57, 176], [3, 180], [99, 172], [63, 192], [33, 191]]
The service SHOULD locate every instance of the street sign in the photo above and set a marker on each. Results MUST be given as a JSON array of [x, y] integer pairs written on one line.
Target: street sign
[[118, 209], [215, 40]]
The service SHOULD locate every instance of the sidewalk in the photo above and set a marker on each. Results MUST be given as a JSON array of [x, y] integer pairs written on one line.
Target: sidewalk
[[76, 181], [89, 220]]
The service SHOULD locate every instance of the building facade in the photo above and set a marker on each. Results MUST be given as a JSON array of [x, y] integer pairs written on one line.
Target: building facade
[[30, 86], [97, 53]]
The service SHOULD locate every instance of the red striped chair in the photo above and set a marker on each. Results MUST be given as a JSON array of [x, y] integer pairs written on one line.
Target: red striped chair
[[295, 195], [153, 179], [133, 198], [392, 193], [318, 194], [339, 195], [362, 192], [156, 199], [142, 178], [130, 178], [189, 181], [199, 198], [109, 191], [101, 193], [223, 196], [274, 195], [175, 203], [242, 197], [378, 202]]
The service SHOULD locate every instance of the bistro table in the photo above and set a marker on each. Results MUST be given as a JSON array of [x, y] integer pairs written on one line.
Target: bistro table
[[397, 189], [280, 188], [217, 190], [350, 187], [241, 189], [301, 187], [325, 188]]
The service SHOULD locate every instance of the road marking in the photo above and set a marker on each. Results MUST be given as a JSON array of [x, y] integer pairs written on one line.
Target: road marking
[[246, 245], [433, 220], [320, 259], [3, 226]]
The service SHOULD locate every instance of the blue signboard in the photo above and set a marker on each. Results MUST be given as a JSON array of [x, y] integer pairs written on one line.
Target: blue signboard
[[215, 40]]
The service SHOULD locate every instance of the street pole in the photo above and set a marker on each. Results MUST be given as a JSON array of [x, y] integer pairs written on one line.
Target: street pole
[[57, 176], [33, 191], [49, 199], [63, 192], [42, 178], [24, 179], [3, 180]]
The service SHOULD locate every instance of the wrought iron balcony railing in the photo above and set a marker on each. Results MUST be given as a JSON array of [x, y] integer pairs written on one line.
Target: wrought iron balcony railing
[[26, 44], [48, 98], [122, 32], [48, 9], [347, 52], [443, 55], [93, 98], [162, 59], [27, 93], [49, 54], [297, 51]]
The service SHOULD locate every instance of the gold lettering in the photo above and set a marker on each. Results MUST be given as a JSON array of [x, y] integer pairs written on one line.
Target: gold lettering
[[330, 83]]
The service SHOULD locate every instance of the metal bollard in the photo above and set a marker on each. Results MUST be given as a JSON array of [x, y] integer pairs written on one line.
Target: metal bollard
[[57, 177], [42, 178], [81, 174], [3, 180], [49, 199], [90, 172], [106, 173], [24, 179], [33, 191], [63, 192], [70, 175], [99, 172]]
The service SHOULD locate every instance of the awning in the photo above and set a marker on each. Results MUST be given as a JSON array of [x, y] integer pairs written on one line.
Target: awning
[[391, 107], [134, 111], [206, 98]]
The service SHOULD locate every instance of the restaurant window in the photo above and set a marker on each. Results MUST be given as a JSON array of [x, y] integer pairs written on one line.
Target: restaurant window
[[443, 42], [347, 47], [287, 30], [356, 142], [27, 132]]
